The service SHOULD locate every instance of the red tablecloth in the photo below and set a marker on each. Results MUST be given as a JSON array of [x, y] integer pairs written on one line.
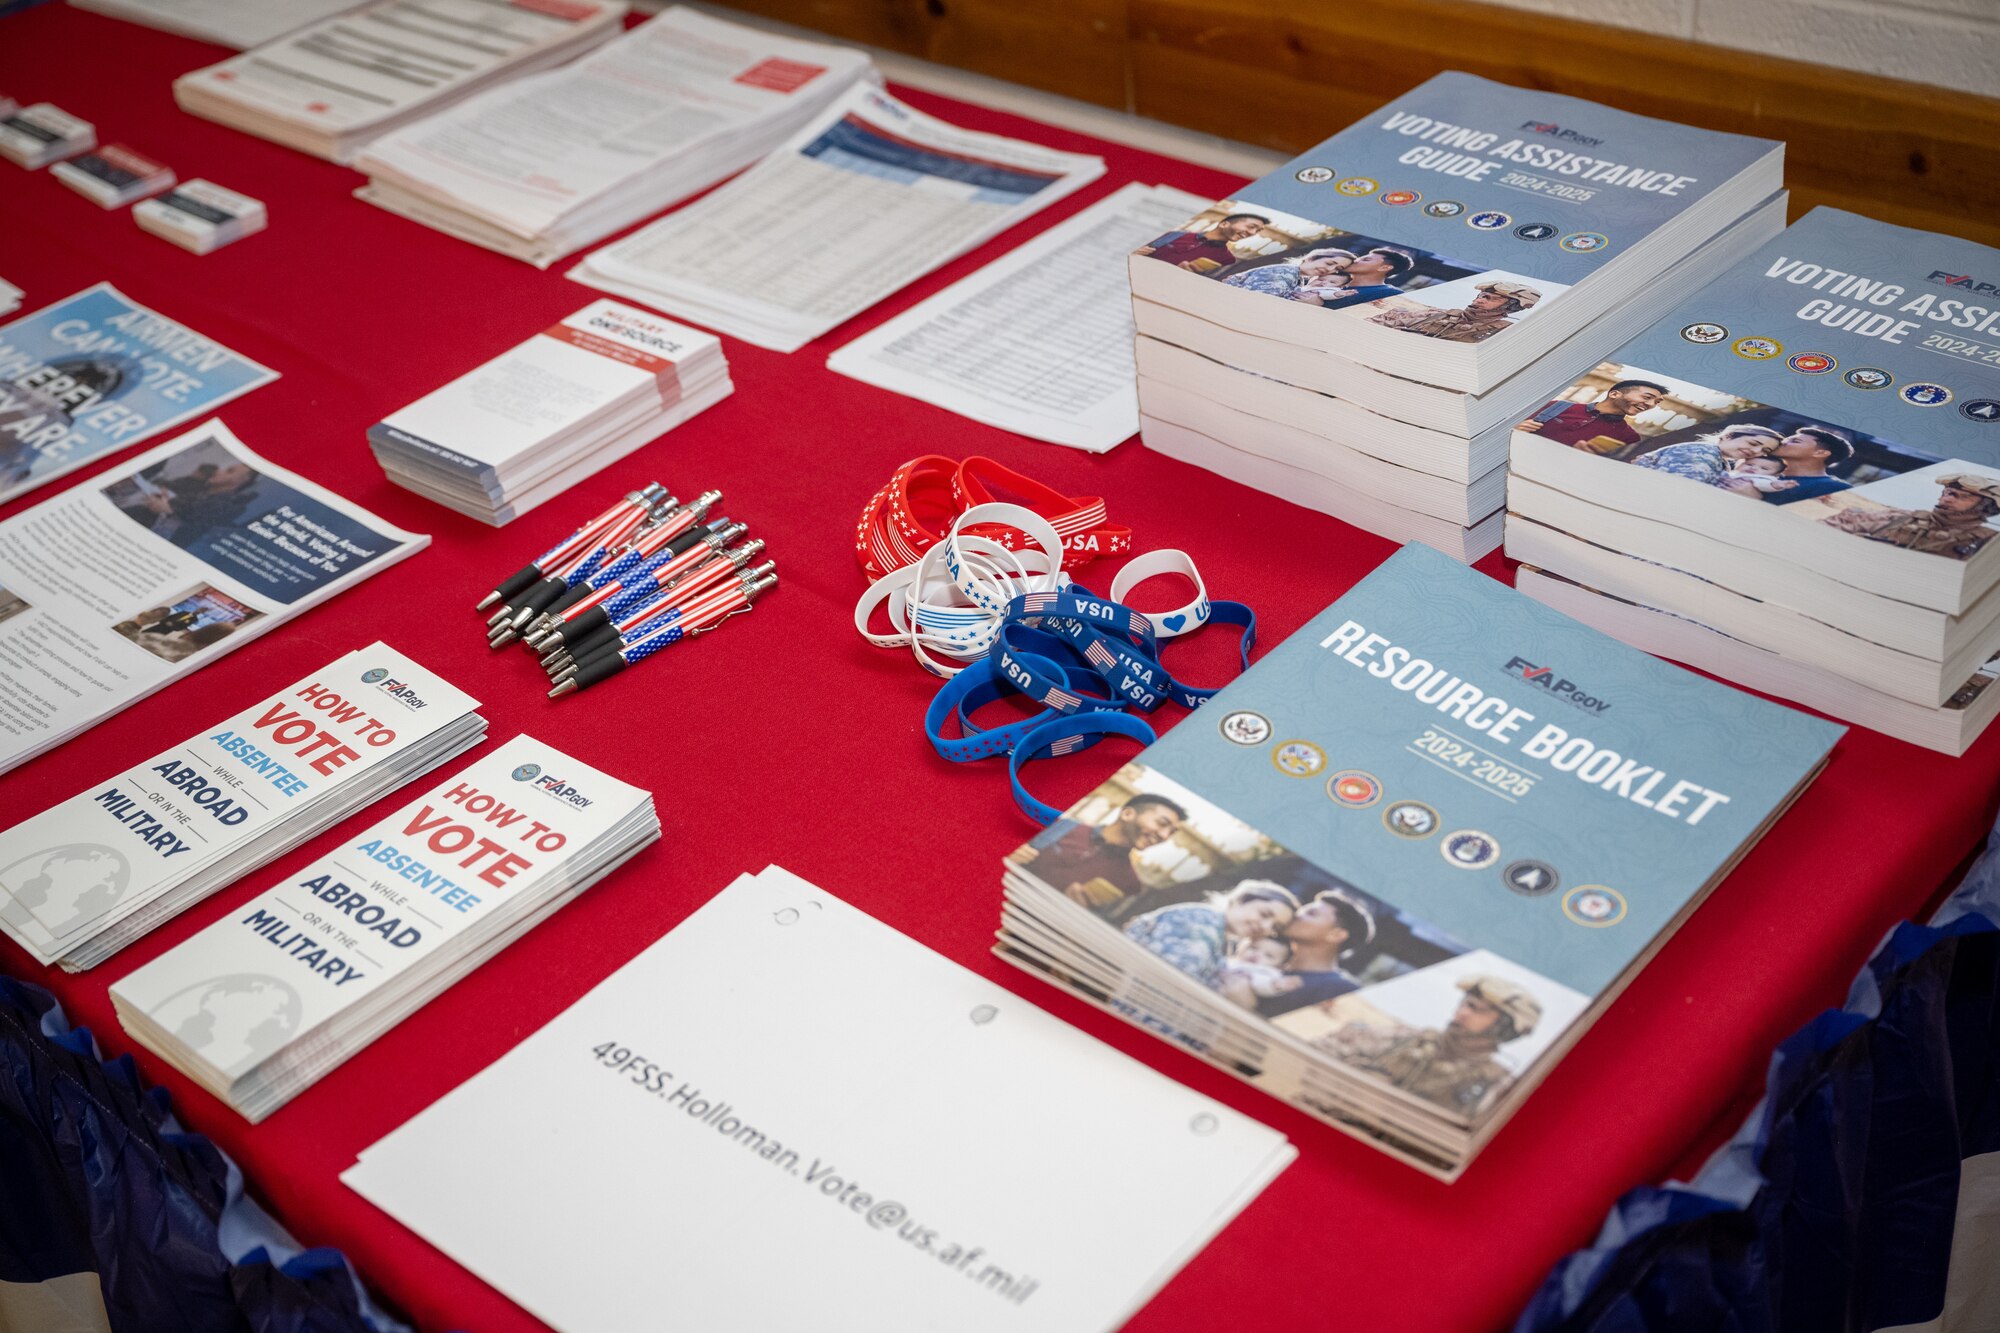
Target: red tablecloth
[[795, 743]]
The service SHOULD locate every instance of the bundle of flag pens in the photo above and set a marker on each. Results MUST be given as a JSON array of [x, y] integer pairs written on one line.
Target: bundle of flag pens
[[647, 572]]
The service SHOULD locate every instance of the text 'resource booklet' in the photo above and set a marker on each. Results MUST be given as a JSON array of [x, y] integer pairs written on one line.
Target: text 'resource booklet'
[[1392, 872], [1572, 205], [143, 573]]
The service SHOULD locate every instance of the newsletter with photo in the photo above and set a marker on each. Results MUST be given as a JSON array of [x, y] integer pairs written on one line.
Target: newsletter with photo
[[117, 586]]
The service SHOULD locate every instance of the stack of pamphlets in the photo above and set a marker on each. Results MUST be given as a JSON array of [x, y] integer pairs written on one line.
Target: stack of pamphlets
[[878, 1112], [37, 135], [540, 417], [201, 216], [151, 570], [1357, 330], [267, 1000], [771, 257], [1394, 871], [546, 165], [241, 24], [114, 176], [329, 88], [81, 881], [1792, 480]]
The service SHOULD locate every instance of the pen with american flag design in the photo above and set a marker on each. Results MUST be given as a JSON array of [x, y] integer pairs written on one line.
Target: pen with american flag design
[[676, 573], [645, 544], [657, 614], [699, 617], [528, 575], [633, 573], [544, 590]]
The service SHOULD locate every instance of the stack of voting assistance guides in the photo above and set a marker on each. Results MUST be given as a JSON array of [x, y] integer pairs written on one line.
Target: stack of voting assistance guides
[[872, 1112], [1358, 330], [546, 165], [772, 256], [84, 879], [1792, 480], [329, 88], [535, 420], [264, 1002], [1392, 873]]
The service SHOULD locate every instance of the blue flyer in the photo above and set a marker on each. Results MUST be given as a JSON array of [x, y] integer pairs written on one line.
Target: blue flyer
[[96, 372]]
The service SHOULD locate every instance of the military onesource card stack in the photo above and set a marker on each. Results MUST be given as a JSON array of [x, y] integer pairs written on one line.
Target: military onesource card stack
[[1358, 330], [82, 880], [201, 216], [268, 999], [540, 417], [1793, 480], [1393, 873]]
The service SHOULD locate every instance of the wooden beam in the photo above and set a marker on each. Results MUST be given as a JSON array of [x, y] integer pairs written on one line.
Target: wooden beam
[[1285, 75]]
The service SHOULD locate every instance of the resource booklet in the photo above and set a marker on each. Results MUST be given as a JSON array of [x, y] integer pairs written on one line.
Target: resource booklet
[[1397, 868], [144, 573], [233, 796], [1832, 401], [1458, 233], [772, 256], [265, 1001], [96, 372], [923, 1148], [1038, 342]]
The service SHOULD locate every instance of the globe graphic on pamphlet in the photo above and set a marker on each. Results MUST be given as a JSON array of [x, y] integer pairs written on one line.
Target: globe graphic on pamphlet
[[245, 1016], [60, 886]]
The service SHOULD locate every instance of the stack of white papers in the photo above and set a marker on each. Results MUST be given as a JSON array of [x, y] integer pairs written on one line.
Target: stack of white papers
[[868, 198], [546, 165], [330, 88], [201, 216], [266, 1001], [238, 23], [82, 880], [1038, 342], [925, 1149], [37, 135], [114, 176], [540, 417]]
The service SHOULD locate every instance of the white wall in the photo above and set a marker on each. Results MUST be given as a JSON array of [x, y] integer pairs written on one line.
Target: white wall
[[1951, 43]]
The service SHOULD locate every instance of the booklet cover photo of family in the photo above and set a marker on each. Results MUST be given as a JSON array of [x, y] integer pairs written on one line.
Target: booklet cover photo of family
[[1395, 286]]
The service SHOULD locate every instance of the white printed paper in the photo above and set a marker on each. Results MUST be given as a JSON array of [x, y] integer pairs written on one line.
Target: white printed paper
[[782, 1075], [136, 577], [1038, 342], [868, 198], [238, 23]]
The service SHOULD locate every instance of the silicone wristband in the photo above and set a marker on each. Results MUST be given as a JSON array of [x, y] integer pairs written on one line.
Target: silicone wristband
[[1066, 735]]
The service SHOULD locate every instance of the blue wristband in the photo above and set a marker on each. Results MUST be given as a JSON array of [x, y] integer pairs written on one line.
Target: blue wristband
[[1066, 735], [981, 683]]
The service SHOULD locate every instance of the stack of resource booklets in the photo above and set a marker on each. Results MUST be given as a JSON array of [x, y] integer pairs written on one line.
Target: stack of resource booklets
[[1357, 330], [81, 881], [921, 192], [1792, 480], [535, 420], [1392, 873], [549, 164], [329, 88], [267, 1000]]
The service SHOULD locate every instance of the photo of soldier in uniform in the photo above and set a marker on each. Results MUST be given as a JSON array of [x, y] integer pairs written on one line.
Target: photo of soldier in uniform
[[202, 490], [1466, 310], [1821, 471], [182, 627]]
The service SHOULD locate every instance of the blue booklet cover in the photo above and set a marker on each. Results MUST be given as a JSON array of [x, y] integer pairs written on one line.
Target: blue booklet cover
[[1428, 832], [1846, 376], [1461, 209]]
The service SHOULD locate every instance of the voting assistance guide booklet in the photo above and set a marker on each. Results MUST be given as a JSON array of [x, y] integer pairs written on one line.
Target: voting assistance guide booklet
[[1459, 232], [93, 873], [262, 1003], [782, 1075], [1392, 872]]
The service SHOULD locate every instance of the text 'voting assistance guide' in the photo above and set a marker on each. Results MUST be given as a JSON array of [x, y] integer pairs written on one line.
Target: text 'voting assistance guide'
[[265, 1001], [87, 877], [783, 1087]]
